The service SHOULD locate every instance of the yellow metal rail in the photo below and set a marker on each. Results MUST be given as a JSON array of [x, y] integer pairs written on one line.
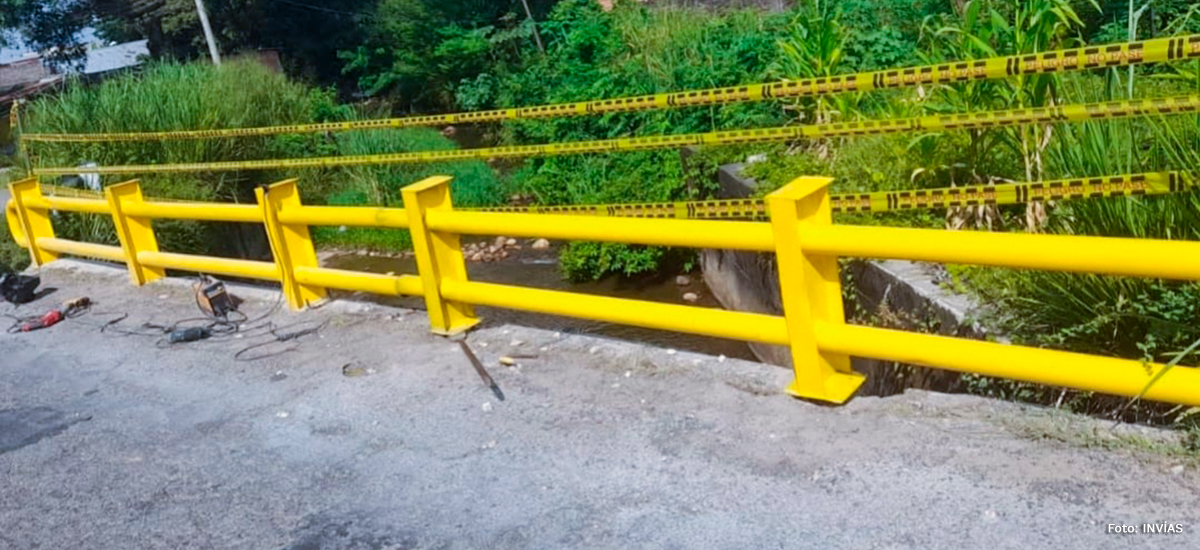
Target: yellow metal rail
[[800, 233], [1119, 185], [1090, 57], [196, 211], [76, 248]]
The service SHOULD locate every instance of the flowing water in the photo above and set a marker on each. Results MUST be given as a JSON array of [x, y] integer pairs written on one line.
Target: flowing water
[[539, 268]]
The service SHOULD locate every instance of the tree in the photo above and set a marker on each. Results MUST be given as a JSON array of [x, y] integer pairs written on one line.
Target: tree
[[417, 51], [309, 32], [49, 26]]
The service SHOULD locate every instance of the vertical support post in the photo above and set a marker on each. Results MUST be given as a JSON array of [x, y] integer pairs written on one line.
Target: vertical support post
[[811, 291], [16, 227], [136, 234], [439, 255], [291, 245], [35, 221]]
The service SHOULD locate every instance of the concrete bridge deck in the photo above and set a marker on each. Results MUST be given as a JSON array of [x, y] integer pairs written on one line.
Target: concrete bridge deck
[[375, 434]]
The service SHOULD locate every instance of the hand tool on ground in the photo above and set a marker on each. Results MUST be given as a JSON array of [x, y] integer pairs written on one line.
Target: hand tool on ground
[[70, 308], [483, 373]]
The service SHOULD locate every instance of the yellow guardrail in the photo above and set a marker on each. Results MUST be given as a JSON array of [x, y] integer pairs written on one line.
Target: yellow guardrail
[[964, 121], [1120, 185], [1090, 57], [800, 233]]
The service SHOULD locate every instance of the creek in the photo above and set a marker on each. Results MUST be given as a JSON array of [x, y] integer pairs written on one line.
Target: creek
[[539, 269]]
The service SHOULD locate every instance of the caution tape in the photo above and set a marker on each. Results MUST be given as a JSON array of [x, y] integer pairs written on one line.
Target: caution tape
[[964, 121], [71, 192], [1091, 57], [1156, 183], [13, 114]]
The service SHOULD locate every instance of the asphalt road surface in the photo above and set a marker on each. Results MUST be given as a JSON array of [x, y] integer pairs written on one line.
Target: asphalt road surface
[[373, 434]]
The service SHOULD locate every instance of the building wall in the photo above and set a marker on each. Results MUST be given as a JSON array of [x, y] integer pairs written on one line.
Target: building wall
[[25, 71]]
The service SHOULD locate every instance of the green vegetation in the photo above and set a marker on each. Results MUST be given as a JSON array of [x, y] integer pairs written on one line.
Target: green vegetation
[[171, 96], [420, 56], [12, 257]]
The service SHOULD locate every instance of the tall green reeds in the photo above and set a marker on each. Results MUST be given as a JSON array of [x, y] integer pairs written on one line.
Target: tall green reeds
[[1137, 318], [170, 96]]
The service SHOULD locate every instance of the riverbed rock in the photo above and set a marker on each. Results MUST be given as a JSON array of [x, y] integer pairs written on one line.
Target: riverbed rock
[[541, 244], [691, 297], [510, 242], [500, 241], [478, 256], [683, 280]]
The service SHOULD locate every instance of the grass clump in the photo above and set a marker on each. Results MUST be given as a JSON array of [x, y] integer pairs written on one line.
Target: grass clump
[[171, 96]]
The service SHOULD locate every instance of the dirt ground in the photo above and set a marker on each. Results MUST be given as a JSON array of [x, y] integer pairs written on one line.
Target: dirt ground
[[374, 434]]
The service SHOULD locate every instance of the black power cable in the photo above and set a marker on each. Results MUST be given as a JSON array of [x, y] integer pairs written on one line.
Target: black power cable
[[279, 337]]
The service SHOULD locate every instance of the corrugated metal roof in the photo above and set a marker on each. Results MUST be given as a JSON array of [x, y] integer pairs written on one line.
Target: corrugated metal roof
[[129, 54]]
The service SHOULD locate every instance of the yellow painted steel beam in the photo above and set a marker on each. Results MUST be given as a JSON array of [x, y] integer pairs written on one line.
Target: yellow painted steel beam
[[810, 290], [754, 327], [1107, 110], [205, 211], [87, 250], [374, 283], [136, 234], [355, 216], [1057, 368], [1102, 255], [438, 254], [35, 222], [291, 244], [1089, 57], [13, 218], [664, 232], [71, 204], [250, 269]]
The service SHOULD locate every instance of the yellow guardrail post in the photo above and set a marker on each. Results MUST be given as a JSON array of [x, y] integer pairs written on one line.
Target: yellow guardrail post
[[439, 255], [291, 244], [35, 222], [136, 234], [15, 226], [811, 291]]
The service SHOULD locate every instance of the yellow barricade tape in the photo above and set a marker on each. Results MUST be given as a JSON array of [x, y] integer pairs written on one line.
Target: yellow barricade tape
[[1130, 53], [1065, 113], [1155, 183]]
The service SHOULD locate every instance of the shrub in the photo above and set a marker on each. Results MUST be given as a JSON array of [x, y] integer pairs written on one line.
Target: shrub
[[631, 51]]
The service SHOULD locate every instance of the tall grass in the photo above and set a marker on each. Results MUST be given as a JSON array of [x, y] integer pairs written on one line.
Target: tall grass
[[1137, 318], [173, 96], [474, 184], [195, 96]]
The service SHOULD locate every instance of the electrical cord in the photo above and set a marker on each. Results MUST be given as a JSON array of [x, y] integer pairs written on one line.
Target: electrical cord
[[278, 337], [209, 326], [215, 327]]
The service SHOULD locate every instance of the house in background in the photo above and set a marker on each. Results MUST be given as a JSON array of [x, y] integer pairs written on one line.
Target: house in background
[[29, 76]]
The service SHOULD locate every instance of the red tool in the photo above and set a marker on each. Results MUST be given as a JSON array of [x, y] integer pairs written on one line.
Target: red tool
[[55, 316], [50, 319]]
